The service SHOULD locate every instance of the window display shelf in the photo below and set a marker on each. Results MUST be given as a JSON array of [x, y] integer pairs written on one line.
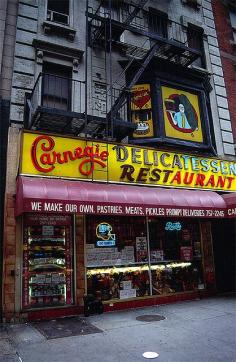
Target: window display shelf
[[106, 269], [116, 265], [48, 269], [46, 295], [47, 272], [32, 246], [52, 283], [45, 238], [42, 247]]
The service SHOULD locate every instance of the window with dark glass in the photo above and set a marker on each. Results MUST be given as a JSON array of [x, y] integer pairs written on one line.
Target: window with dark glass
[[58, 11], [117, 257], [177, 245], [56, 86], [122, 261], [47, 278], [158, 23], [195, 41], [232, 15]]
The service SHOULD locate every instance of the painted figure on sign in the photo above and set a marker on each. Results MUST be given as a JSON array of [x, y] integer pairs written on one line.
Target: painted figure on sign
[[182, 114], [180, 118]]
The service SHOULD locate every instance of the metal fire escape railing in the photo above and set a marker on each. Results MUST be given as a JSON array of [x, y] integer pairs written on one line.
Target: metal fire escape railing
[[107, 24], [58, 104]]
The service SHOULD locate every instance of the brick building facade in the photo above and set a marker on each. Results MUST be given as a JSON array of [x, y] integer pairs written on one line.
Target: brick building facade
[[225, 21]]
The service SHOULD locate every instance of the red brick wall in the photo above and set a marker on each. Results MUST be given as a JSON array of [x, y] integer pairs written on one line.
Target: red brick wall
[[228, 55]]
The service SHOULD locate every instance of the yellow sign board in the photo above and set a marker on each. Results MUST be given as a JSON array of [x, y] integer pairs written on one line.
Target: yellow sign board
[[58, 156], [141, 111], [182, 115]]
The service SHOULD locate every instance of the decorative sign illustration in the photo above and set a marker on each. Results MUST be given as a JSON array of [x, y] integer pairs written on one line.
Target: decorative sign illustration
[[141, 110], [103, 233], [182, 115]]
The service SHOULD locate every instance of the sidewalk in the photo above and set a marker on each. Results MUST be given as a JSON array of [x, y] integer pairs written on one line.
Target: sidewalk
[[194, 331], [7, 350]]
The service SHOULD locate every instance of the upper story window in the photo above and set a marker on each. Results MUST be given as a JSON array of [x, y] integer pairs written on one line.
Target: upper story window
[[232, 14], [58, 11], [56, 86], [158, 22], [193, 3], [108, 9], [195, 41]]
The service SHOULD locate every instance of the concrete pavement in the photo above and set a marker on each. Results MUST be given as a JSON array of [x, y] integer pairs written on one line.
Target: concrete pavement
[[194, 331]]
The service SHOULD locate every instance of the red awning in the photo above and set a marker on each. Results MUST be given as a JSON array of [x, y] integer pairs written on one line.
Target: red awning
[[230, 200], [64, 196]]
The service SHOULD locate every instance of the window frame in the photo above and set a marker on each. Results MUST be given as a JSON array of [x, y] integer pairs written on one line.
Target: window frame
[[200, 32], [68, 15]]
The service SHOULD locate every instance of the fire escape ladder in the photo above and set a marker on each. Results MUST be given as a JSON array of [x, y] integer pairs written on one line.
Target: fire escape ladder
[[135, 12], [99, 31], [124, 93]]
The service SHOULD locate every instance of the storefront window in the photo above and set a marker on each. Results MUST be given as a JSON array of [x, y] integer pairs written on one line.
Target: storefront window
[[175, 255], [47, 261], [117, 257], [123, 262]]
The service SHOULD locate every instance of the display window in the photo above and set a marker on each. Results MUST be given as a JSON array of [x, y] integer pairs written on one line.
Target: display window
[[117, 257], [47, 261], [126, 258], [175, 255]]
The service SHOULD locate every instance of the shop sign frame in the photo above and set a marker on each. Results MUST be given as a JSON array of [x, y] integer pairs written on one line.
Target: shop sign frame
[[91, 160]]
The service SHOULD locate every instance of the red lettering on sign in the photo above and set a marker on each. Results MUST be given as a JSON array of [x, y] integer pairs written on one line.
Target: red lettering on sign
[[46, 162]]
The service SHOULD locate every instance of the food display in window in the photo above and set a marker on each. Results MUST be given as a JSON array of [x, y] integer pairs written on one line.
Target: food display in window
[[168, 261], [118, 283], [47, 261]]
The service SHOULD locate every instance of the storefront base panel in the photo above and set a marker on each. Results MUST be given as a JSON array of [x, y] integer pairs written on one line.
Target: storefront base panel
[[48, 314], [156, 300]]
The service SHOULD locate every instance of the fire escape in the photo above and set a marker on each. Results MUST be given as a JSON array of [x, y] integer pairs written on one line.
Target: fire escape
[[104, 112]]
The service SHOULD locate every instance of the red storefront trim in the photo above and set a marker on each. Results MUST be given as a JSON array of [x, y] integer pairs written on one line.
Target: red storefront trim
[[47, 314]]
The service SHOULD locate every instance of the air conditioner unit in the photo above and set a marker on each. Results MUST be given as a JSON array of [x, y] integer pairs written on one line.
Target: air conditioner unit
[[56, 17]]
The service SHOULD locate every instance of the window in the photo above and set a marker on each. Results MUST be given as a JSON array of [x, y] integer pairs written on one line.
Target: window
[[193, 3], [104, 10], [232, 15], [158, 22], [117, 257], [195, 41], [56, 86], [47, 278], [175, 241], [121, 258], [58, 11]]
